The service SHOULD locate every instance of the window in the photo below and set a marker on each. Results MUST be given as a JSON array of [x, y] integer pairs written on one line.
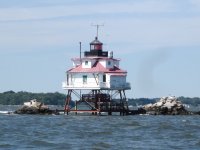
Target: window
[[86, 63], [84, 79], [109, 63], [104, 78], [91, 47]]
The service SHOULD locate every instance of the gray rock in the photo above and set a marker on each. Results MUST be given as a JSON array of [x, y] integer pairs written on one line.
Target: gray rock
[[166, 106], [33, 110], [35, 107]]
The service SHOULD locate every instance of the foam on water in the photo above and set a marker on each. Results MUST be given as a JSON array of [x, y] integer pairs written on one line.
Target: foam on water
[[5, 112]]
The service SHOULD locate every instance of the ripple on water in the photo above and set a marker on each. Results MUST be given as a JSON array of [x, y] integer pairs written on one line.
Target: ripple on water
[[99, 132], [101, 145], [5, 146], [42, 143]]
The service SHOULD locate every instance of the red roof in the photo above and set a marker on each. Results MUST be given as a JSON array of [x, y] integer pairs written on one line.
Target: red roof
[[100, 58], [97, 67]]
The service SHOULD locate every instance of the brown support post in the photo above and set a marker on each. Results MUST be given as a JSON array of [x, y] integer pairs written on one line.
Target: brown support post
[[127, 109], [99, 107], [65, 108], [68, 99], [96, 99], [67, 102], [76, 107], [120, 92]]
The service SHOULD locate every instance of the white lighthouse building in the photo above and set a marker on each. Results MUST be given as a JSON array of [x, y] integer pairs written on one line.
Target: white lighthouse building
[[99, 73]]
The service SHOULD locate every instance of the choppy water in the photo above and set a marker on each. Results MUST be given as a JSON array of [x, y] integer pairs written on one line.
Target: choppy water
[[99, 132]]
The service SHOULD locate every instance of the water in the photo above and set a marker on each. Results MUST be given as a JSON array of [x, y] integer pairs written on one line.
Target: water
[[98, 132]]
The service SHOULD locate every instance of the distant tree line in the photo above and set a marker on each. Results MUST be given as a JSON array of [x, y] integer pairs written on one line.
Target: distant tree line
[[141, 101], [195, 101], [18, 98]]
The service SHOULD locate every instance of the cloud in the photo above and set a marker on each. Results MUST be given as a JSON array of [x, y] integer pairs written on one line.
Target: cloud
[[66, 24], [76, 9], [52, 30]]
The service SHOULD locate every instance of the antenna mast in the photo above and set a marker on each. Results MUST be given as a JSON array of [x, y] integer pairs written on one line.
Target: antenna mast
[[97, 26], [80, 52]]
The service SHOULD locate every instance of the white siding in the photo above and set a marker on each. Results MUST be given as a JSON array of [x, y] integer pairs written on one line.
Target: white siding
[[88, 63], [103, 63], [109, 63], [95, 81], [76, 80], [106, 63]]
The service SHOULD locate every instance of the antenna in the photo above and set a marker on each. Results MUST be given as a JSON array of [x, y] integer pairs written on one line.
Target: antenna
[[80, 52], [97, 26]]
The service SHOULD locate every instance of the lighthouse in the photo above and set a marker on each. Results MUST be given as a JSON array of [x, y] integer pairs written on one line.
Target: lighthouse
[[97, 83]]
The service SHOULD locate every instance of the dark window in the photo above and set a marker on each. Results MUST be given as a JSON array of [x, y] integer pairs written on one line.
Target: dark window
[[86, 63], [84, 79], [109, 63], [104, 78]]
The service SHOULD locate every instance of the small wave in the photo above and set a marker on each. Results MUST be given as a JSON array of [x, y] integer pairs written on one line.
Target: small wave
[[6, 112], [101, 145], [184, 120], [42, 143], [5, 145], [144, 114]]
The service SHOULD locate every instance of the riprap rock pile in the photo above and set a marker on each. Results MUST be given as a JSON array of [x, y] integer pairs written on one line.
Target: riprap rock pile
[[166, 106], [34, 107]]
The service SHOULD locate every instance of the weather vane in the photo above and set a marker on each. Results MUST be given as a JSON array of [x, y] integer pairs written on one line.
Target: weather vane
[[97, 26]]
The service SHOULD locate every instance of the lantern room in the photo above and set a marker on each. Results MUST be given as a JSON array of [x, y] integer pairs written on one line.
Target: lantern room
[[96, 45], [96, 49]]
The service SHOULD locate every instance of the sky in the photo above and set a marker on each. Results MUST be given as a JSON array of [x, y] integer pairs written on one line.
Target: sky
[[158, 42]]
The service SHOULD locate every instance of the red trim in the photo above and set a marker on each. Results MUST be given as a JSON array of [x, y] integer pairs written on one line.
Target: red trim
[[97, 67]]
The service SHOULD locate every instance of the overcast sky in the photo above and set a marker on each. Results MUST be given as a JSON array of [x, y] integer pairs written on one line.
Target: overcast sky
[[158, 42]]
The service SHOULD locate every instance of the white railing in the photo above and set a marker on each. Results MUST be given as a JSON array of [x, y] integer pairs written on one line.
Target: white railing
[[85, 85], [94, 85]]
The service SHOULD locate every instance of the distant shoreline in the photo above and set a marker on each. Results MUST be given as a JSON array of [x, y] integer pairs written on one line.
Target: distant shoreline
[[56, 98]]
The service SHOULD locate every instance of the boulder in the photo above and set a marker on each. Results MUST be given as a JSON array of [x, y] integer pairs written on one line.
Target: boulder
[[166, 106], [33, 110], [34, 107]]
